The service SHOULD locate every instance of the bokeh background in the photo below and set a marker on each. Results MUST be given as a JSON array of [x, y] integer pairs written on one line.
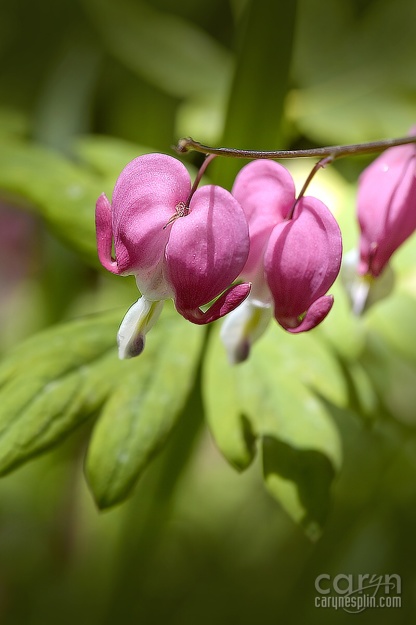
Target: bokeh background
[[93, 83]]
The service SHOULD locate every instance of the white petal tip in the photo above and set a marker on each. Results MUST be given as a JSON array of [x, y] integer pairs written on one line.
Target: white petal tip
[[138, 321], [132, 348]]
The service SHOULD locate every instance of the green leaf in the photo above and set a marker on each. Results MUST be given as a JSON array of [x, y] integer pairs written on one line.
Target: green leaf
[[389, 358], [363, 395], [107, 155], [63, 110], [358, 82], [301, 480], [307, 358], [394, 319], [52, 382], [62, 193], [202, 117], [268, 397], [143, 409], [13, 123], [342, 330], [227, 420], [168, 51]]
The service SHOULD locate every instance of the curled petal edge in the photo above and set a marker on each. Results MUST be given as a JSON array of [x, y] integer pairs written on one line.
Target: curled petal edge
[[104, 230], [227, 302], [315, 314]]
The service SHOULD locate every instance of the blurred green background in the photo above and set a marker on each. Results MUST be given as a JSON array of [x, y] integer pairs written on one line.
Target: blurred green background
[[86, 85]]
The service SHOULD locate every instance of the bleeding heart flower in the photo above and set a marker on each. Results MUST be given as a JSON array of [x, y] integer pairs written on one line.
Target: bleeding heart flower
[[302, 260], [293, 260], [386, 206], [186, 245]]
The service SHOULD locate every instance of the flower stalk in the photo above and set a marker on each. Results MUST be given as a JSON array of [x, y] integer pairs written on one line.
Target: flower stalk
[[333, 151]]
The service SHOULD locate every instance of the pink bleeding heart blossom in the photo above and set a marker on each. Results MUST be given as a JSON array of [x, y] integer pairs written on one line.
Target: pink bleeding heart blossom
[[178, 244], [302, 261], [293, 259], [386, 206]]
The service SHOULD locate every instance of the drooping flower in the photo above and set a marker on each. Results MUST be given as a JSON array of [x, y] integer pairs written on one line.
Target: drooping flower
[[181, 245], [386, 206], [293, 259], [302, 261]]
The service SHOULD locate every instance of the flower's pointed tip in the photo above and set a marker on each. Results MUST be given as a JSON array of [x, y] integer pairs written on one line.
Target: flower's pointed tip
[[138, 320], [227, 302], [241, 353], [242, 327], [237, 347], [131, 349], [315, 314]]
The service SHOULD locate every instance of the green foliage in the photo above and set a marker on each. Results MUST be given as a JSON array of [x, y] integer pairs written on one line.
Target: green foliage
[[272, 397], [324, 421], [51, 383], [254, 115], [279, 399], [162, 47], [359, 80], [63, 193], [55, 380], [106, 156], [142, 410]]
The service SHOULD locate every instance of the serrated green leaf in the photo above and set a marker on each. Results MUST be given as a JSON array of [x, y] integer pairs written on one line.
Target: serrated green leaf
[[269, 397], [143, 409], [62, 193], [52, 382]]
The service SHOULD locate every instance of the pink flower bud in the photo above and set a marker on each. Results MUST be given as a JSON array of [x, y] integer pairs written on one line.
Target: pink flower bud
[[386, 206]]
